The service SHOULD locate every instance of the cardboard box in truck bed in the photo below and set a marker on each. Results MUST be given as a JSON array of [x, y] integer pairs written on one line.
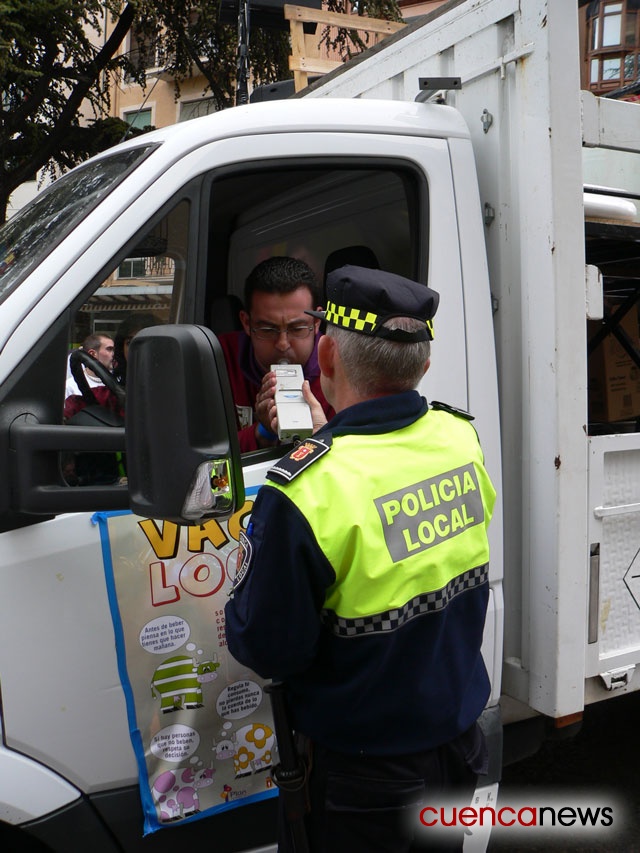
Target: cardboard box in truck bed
[[614, 378]]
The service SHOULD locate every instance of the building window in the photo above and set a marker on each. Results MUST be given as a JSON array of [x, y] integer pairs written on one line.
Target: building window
[[146, 50], [614, 44], [154, 267], [195, 109], [132, 268], [140, 119]]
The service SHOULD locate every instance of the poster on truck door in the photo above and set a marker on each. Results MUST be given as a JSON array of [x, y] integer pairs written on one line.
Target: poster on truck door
[[200, 722]]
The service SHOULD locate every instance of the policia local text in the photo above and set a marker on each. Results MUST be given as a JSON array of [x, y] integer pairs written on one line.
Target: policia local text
[[430, 512]]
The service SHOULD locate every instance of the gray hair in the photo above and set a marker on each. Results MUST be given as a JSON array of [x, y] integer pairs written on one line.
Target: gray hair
[[375, 366]]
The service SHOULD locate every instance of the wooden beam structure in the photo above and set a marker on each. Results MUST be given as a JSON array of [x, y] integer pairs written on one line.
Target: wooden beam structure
[[305, 56]]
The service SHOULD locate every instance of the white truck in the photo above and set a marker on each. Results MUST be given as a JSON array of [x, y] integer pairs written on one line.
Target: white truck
[[480, 197], [562, 249]]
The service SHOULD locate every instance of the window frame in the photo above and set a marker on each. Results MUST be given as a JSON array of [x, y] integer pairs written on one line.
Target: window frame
[[626, 52]]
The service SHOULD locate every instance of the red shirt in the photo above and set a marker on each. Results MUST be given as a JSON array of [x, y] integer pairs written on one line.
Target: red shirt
[[75, 403]]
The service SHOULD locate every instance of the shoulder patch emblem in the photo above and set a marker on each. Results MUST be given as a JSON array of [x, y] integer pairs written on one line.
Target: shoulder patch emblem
[[298, 460], [245, 552], [445, 407]]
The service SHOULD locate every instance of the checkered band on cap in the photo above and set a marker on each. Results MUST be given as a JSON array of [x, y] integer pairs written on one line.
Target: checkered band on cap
[[359, 320], [391, 620], [351, 318]]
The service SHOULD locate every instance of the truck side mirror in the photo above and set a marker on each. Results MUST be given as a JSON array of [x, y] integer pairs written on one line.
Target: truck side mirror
[[183, 457]]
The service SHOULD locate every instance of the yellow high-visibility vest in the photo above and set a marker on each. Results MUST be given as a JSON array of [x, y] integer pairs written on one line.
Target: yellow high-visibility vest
[[402, 518]]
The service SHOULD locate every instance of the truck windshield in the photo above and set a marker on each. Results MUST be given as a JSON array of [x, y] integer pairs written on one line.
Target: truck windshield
[[39, 226]]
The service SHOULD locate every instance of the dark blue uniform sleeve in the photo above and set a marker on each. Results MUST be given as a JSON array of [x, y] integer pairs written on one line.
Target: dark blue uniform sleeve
[[273, 619]]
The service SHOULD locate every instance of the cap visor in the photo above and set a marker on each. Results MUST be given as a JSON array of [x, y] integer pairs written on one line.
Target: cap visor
[[319, 314]]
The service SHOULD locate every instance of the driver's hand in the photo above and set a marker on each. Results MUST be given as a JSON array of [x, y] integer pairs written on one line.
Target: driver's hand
[[318, 416], [265, 399], [265, 409]]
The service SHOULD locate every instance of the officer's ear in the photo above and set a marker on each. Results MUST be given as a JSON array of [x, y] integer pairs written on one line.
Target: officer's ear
[[327, 355], [427, 365]]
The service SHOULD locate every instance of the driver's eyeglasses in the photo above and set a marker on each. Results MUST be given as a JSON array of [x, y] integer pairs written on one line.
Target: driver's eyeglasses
[[272, 333]]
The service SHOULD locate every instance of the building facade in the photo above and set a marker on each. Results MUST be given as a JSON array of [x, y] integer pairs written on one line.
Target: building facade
[[610, 48]]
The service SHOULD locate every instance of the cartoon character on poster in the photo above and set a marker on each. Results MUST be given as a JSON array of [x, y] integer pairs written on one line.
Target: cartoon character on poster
[[178, 682], [253, 744], [176, 793]]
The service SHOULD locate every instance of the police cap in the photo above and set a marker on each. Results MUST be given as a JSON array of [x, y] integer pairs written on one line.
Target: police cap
[[362, 299]]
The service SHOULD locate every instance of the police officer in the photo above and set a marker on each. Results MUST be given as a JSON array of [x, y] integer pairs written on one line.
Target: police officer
[[363, 580]]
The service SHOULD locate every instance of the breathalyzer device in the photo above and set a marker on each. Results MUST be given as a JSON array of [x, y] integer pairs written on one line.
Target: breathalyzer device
[[294, 414]]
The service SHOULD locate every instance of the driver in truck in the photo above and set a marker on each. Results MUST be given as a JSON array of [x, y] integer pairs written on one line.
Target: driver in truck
[[275, 329], [362, 581]]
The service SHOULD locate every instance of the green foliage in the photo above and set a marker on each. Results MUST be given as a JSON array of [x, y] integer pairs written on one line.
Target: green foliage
[[58, 61], [196, 41], [83, 141], [52, 66]]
